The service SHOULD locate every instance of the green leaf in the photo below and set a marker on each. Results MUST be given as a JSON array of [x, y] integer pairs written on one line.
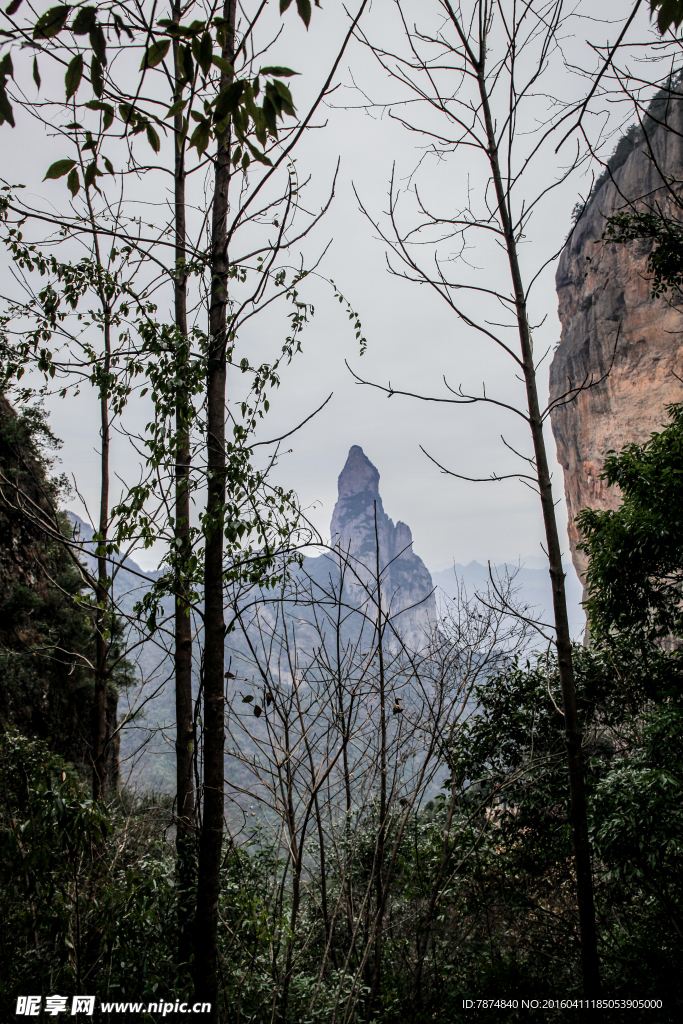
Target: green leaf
[[120, 27], [284, 72], [304, 9], [91, 172], [84, 21], [128, 113], [286, 96], [260, 127], [153, 138], [108, 165], [13, 7], [106, 109], [228, 100], [98, 43], [52, 22], [155, 54], [73, 182], [223, 65], [200, 137], [270, 116], [257, 155], [177, 107], [205, 55], [6, 67], [96, 77], [59, 168], [36, 72], [6, 113], [73, 76], [185, 61]]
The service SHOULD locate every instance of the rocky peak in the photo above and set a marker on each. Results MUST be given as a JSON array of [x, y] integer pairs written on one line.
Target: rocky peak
[[358, 495], [358, 522], [358, 475], [404, 539]]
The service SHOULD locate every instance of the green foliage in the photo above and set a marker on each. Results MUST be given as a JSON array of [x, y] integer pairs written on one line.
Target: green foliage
[[635, 571], [47, 638], [59, 168], [521, 882], [640, 797], [86, 892], [665, 261], [669, 13], [220, 101], [302, 6], [46, 635]]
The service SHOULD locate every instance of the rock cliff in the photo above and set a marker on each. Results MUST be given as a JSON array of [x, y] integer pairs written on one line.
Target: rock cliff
[[611, 326], [407, 589]]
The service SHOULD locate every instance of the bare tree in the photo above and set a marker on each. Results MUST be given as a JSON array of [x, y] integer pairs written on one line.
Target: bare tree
[[338, 730], [484, 77]]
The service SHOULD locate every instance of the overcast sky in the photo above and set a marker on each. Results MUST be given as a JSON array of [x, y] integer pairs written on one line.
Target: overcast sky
[[413, 338]]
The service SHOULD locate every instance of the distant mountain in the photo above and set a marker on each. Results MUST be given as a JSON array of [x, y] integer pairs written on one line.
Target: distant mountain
[[360, 528], [533, 588], [409, 591]]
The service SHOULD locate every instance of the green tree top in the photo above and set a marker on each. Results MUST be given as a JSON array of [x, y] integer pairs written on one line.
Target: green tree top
[[635, 573]]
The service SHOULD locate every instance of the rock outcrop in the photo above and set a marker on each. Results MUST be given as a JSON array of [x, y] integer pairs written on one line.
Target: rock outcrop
[[407, 589], [612, 329]]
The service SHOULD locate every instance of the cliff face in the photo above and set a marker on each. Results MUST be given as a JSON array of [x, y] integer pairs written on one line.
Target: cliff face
[[609, 319], [405, 580]]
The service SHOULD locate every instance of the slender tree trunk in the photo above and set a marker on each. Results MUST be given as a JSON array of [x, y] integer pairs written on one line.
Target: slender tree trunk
[[99, 725], [211, 836], [381, 836], [422, 940], [296, 860], [584, 880], [183, 624], [321, 844]]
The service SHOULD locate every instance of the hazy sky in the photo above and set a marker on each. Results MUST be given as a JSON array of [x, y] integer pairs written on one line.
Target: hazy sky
[[413, 338]]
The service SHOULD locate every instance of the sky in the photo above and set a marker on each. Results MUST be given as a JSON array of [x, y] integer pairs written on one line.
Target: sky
[[413, 338]]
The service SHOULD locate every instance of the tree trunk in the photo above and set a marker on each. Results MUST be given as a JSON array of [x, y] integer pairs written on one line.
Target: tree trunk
[[183, 623], [579, 825], [422, 940], [211, 836], [381, 835], [99, 725]]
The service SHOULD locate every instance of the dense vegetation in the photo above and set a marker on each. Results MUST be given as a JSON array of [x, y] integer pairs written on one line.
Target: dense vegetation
[[46, 632], [89, 898]]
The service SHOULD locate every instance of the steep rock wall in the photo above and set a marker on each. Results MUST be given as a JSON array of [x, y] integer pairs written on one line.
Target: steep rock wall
[[609, 319]]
